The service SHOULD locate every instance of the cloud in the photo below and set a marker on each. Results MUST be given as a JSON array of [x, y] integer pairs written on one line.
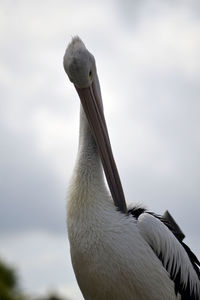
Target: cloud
[[42, 267], [157, 143]]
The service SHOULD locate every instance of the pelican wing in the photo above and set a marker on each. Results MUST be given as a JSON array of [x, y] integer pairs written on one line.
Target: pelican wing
[[179, 261]]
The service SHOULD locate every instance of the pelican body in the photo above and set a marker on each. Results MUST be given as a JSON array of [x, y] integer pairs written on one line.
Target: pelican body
[[116, 253]]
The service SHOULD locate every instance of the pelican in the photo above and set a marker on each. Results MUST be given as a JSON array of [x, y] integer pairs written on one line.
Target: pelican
[[117, 253]]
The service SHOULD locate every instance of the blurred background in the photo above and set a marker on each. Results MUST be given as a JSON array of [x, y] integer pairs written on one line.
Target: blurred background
[[147, 55]]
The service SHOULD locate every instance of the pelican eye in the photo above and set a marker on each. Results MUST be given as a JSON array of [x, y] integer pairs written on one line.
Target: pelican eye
[[90, 75]]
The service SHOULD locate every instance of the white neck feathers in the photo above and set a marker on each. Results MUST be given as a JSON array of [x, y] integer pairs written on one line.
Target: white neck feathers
[[88, 180]]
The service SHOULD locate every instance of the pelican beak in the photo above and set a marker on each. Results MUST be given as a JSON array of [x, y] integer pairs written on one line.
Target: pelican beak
[[92, 106]]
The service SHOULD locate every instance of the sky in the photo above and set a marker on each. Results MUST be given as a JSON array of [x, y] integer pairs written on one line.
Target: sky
[[147, 56]]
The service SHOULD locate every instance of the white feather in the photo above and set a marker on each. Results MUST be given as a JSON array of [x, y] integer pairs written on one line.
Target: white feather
[[164, 243]]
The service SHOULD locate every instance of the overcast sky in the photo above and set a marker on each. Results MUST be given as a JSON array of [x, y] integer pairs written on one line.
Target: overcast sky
[[147, 55]]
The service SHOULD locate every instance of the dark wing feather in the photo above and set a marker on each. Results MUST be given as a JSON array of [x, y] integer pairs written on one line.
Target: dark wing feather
[[169, 221]]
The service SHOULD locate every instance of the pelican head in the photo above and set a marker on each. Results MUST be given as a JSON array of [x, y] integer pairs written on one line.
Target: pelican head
[[79, 64]]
